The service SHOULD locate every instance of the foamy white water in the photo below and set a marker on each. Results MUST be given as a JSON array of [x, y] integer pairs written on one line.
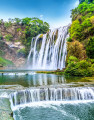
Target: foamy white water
[[4, 95], [19, 74], [52, 52], [43, 96]]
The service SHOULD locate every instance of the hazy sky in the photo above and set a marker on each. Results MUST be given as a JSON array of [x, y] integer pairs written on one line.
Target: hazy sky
[[55, 12]]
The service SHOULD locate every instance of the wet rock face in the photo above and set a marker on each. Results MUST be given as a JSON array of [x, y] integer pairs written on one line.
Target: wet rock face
[[5, 110], [11, 54], [10, 43]]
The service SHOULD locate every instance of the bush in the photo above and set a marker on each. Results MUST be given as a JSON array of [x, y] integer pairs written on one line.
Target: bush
[[9, 37], [90, 60], [19, 29], [90, 48], [69, 39], [83, 64], [72, 58], [21, 51], [92, 20], [81, 68], [7, 24], [76, 49]]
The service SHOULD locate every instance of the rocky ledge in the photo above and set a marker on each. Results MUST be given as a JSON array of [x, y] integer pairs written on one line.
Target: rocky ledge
[[5, 110]]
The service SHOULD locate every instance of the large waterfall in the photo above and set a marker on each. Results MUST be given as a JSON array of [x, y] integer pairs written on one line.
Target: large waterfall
[[48, 51]]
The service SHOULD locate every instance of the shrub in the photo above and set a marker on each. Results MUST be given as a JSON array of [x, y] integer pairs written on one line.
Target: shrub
[[90, 60], [17, 20], [83, 64], [90, 48], [81, 68], [69, 39], [21, 51], [76, 49], [92, 19], [19, 29], [72, 58], [7, 24], [9, 37], [92, 65]]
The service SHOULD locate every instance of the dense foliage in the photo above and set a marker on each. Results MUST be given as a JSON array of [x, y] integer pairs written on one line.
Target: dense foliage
[[34, 26], [79, 68], [82, 22], [81, 41], [90, 48], [28, 27]]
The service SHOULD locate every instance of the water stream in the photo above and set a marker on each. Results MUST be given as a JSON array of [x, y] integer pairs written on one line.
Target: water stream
[[47, 97], [35, 96]]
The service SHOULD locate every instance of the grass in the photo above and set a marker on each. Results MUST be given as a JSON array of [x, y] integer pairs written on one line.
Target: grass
[[57, 72], [4, 62]]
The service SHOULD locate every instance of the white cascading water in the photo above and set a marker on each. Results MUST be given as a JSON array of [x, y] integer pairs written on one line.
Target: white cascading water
[[52, 52], [51, 94]]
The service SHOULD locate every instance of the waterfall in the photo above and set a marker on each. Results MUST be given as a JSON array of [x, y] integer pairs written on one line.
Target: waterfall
[[48, 51], [51, 94]]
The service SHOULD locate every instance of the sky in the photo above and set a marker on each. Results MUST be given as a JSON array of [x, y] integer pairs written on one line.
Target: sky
[[55, 12]]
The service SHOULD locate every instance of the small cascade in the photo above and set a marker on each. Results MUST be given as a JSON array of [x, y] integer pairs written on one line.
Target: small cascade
[[48, 51], [51, 94]]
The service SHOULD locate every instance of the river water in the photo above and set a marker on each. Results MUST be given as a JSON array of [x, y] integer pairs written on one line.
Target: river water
[[35, 96]]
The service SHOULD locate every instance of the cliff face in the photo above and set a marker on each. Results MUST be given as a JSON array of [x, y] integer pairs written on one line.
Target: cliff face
[[16, 35], [10, 44]]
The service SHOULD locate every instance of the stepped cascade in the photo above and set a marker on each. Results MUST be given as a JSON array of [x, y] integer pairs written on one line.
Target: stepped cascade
[[51, 94], [49, 51]]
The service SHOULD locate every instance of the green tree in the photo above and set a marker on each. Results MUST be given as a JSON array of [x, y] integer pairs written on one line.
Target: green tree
[[26, 21], [17, 21], [90, 48]]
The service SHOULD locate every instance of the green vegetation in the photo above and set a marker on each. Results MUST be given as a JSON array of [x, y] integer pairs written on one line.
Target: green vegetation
[[25, 29], [19, 29], [79, 68], [4, 62], [9, 37], [22, 31], [57, 72], [1, 37], [80, 59], [22, 51], [90, 48], [34, 26], [41, 36], [7, 24]]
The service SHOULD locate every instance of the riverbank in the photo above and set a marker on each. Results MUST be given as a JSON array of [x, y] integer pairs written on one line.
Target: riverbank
[[57, 72]]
